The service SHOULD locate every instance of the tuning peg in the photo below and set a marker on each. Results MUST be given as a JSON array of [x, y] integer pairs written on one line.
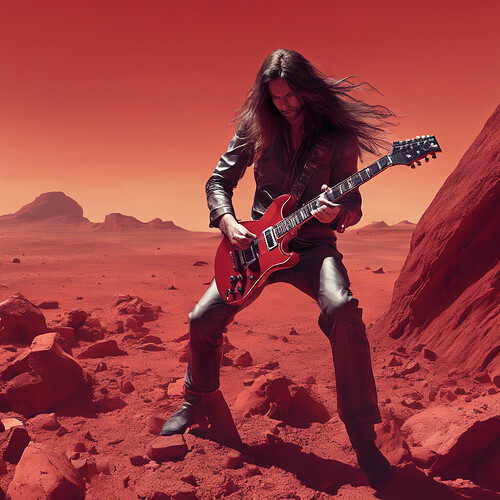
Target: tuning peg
[[433, 156], [427, 160], [419, 163]]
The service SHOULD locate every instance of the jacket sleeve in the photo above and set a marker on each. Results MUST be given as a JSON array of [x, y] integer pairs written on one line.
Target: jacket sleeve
[[230, 169], [346, 165]]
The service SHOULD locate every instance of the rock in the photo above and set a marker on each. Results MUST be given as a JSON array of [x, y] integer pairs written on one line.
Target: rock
[[134, 324], [233, 460], [457, 437], [447, 394], [12, 444], [293, 331], [166, 448], [141, 310], [446, 295], [138, 460], [430, 355], [200, 263], [244, 359], [8, 423], [152, 347], [20, 319], [395, 361], [127, 387], [48, 304], [102, 466], [391, 442], [154, 424], [75, 319], [80, 447], [115, 327], [483, 377], [43, 473], [47, 421], [15, 260], [101, 349], [46, 377], [271, 365], [101, 367], [66, 338], [154, 339], [411, 367], [380, 270], [277, 397]]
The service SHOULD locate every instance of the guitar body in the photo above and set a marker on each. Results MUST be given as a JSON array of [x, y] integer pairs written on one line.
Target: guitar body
[[240, 273]]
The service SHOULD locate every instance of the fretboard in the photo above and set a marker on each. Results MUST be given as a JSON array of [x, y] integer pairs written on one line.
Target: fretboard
[[333, 194]]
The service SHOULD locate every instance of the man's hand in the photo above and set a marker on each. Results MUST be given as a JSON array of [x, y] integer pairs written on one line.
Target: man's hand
[[239, 236], [327, 211]]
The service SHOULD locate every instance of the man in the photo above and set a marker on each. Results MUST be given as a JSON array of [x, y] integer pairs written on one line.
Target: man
[[291, 108]]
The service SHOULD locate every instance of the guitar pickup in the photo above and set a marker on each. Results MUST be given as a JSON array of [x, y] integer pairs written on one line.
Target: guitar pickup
[[270, 238]]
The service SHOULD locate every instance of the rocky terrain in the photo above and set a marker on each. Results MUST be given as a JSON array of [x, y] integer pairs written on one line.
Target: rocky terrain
[[93, 349]]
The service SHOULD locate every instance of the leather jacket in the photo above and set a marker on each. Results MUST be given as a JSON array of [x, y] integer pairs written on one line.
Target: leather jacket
[[275, 172]]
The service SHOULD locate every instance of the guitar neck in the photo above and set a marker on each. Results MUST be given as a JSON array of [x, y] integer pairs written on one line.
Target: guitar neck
[[303, 214]]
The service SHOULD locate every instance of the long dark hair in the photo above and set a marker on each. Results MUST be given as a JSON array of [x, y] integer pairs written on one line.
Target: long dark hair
[[327, 102]]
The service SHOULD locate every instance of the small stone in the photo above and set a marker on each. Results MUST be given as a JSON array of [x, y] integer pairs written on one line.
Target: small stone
[[102, 466], [293, 331], [483, 377], [138, 460], [433, 395], [414, 405], [154, 339], [447, 394], [418, 347], [380, 270], [101, 367], [271, 365], [411, 367], [127, 387], [13, 444], [89, 437], [152, 347], [80, 447], [47, 421], [252, 470], [8, 423], [190, 480], [395, 361], [285, 340], [244, 360], [61, 431], [166, 448], [93, 450], [48, 304], [459, 391], [15, 260], [492, 390], [233, 460], [430, 355], [154, 424], [311, 380], [200, 263]]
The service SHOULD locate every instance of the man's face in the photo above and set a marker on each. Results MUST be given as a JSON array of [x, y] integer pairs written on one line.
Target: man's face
[[285, 100]]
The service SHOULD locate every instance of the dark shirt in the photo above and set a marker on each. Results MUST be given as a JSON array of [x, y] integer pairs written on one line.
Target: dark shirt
[[275, 172]]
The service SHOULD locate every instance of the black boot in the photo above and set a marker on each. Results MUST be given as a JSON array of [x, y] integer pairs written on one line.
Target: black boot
[[375, 466], [191, 411]]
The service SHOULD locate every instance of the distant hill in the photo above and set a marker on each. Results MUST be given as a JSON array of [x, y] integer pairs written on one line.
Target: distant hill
[[55, 208], [381, 225]]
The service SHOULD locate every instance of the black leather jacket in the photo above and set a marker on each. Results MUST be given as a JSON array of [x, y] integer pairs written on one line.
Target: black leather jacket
[[275, 173]]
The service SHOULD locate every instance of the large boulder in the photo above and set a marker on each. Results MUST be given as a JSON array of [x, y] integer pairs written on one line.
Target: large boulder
[[446, 296], [43, 377], [451, 440], [43, 473], [21, 320], [279, 398]]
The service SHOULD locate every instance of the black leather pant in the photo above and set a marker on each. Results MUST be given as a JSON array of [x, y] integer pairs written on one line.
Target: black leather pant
[[321, 275]]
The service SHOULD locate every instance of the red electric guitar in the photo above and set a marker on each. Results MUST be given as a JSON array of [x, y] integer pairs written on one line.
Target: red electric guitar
[[240, 273]]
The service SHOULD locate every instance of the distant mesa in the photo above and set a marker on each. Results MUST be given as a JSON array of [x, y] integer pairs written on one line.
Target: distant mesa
[[54, 208]]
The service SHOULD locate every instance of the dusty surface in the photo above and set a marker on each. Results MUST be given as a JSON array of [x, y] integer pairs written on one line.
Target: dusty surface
[[88, 269]]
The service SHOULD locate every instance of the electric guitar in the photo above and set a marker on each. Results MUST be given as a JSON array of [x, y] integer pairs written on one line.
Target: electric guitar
[[240, 273]]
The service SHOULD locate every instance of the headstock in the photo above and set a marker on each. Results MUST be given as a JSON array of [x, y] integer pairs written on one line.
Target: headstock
[[412, 151]]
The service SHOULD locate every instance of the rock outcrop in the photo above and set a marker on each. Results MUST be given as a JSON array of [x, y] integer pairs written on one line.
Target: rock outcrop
[[446, 296]]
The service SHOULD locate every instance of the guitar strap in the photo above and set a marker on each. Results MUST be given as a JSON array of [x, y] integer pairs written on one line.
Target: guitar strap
[[310, 166]]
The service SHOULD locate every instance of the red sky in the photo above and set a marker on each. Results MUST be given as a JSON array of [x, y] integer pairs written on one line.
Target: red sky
[[126, 105]]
